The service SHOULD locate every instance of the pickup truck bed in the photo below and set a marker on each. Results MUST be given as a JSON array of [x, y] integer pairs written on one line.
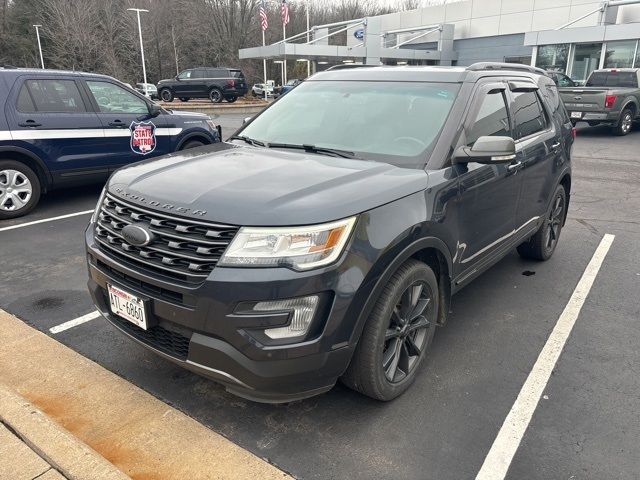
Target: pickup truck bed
[[610, 97]]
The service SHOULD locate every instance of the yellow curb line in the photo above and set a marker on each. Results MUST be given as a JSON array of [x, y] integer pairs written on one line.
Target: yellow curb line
[[142, 436]]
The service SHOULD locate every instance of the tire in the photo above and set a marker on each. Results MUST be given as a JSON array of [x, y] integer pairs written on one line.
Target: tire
[[166, 95], [20, 189], [625, 123], [184, 99], [371, 371], [192, 144], [544, 242], [215, 95], [231, 99]]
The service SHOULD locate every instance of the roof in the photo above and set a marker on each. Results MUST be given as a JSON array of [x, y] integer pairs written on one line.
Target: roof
[[39, 71]]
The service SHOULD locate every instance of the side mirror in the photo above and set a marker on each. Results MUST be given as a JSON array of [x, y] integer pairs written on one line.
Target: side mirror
[[154, 109], [490, 150], [177, 78], [246, 120]]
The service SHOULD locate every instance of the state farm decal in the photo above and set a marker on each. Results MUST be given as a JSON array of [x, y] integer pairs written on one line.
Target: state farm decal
[[143, 137]]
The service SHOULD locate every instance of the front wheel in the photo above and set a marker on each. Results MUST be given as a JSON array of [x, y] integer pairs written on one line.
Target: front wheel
[[625, 123], [215, 95], [397, 335], [192, 144], [19, 189], [544, 242], [166, 95]]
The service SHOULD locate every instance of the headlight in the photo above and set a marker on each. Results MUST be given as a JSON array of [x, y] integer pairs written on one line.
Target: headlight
[[300, 248], [96, 211]]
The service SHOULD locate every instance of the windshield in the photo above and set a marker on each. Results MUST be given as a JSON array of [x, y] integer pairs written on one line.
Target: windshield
[[394, 122]]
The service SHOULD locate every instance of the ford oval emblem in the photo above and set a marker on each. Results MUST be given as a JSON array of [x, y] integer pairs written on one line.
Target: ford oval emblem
[[137, 235]]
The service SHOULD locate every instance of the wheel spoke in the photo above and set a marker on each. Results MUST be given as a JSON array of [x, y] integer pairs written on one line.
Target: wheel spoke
[[391, 333], [419, 309], [17, 201], [390, 364], [396, 318], [412, 348], [420, 322]]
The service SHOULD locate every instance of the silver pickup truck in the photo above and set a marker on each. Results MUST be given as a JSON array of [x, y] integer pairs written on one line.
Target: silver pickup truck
[[611, 96]]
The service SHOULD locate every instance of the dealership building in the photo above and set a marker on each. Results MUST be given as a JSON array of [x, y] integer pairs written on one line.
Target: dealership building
[[571, 36]]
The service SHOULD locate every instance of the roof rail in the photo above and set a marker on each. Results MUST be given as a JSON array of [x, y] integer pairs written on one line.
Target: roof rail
[[505, 66], [347, 66]]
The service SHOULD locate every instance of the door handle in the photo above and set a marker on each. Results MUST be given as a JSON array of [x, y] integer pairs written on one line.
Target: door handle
[[117, 123], [555, 145], [514, 167], [30, 123]]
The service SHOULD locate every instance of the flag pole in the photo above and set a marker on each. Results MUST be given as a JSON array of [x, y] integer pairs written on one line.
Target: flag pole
[[284, 42], [264, 68]]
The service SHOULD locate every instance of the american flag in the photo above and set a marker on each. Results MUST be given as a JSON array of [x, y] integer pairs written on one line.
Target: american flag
[[264, 22], [284, 11]]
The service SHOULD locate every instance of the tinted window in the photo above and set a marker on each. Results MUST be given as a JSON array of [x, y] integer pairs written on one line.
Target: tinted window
[[613, 79], [236, 73], [56, 96], [527, 114], [564, 81], [114, 99], [200, 73], [25, 104], [216, 73], [186, 74], [492, 118]]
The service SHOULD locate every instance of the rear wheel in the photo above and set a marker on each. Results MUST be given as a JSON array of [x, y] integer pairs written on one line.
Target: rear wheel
[[166, 95], [397, 335], [231, 99], [215, 95], [184, 99], [625, 123], [543, 243], [19, 189]]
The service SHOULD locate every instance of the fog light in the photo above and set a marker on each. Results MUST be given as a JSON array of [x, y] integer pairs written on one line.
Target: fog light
[[302, 309]]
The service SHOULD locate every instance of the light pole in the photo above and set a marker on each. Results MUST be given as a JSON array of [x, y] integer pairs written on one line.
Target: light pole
[[39, 45], [144, 68]]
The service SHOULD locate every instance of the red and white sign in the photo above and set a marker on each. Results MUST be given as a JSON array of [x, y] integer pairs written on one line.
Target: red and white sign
[[143, 137]]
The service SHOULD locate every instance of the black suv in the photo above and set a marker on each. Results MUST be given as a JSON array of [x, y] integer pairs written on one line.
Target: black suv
[[204, 82], [325, 239]]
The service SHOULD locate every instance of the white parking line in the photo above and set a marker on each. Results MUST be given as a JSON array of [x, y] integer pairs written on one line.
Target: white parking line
[[504, 447], [44, 220], [75, 322]]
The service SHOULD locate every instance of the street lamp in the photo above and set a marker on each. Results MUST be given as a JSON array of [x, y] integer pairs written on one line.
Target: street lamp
[[144, 68], [39, 44]]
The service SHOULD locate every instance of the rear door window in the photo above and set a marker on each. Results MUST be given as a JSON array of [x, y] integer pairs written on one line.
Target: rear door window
[[613, 79], [528, 114], [25, 103], [492, 118], [55, 96]]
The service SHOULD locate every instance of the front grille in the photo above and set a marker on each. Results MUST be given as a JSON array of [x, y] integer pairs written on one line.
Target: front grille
[[182, 249], [160, 338]]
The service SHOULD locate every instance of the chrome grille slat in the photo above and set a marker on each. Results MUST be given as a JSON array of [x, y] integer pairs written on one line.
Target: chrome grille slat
[[183, 249]]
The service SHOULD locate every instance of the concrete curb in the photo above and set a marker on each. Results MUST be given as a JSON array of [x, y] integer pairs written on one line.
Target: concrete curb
[[63, 451]]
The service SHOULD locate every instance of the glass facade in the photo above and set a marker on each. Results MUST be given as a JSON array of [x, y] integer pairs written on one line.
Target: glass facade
[[620, 54], [553, 57], [586, 58]]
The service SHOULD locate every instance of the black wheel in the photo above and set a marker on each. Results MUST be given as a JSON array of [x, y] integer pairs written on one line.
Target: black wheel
[[192, 144], [397, 335], [19, 189], [166, 95], [231, 99], [215, 95], [184, 99], [543, 243], [625, 123]]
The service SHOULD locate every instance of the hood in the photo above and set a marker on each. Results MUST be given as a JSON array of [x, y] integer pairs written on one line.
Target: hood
[[254, 186], [180, 113]]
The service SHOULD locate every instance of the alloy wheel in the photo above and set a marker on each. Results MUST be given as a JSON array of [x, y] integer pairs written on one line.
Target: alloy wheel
[[554, 223], [627, 122], [15, 190], [407, 333]]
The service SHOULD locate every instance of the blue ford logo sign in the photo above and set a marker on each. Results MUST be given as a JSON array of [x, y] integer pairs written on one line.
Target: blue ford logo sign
[[359, 33], [137, 235]]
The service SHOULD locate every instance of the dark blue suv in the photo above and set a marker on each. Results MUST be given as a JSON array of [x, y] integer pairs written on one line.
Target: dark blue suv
[[68, 128]]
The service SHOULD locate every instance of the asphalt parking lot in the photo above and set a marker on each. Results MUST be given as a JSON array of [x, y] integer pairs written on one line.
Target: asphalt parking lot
[[585, 427]]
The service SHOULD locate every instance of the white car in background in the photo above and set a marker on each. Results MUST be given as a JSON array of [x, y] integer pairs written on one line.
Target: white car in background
[[258, 90], [147, 89]]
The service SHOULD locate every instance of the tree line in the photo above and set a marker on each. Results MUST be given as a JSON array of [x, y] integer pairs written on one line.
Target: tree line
[[102, 36]]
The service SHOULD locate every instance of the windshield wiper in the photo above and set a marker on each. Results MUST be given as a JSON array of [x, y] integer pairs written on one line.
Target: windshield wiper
[[314, 149], [248, 140]]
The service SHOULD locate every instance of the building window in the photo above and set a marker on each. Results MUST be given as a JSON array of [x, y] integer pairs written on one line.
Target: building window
[[553, 57], [525, 60], [586, 58], [620, 54]]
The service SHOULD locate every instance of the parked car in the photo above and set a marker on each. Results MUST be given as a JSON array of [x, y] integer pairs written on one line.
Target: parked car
[[611, 96], [336, 225], [215, 84], [259, 88], [287, 86], [562, 80], [69, 128], [148, 90]]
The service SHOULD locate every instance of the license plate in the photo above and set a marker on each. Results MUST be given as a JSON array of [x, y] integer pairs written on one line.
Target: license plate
[[576, 114], [127, 306]]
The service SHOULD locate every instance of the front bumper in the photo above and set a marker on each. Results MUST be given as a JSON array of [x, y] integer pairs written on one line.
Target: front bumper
[[200, 328]]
